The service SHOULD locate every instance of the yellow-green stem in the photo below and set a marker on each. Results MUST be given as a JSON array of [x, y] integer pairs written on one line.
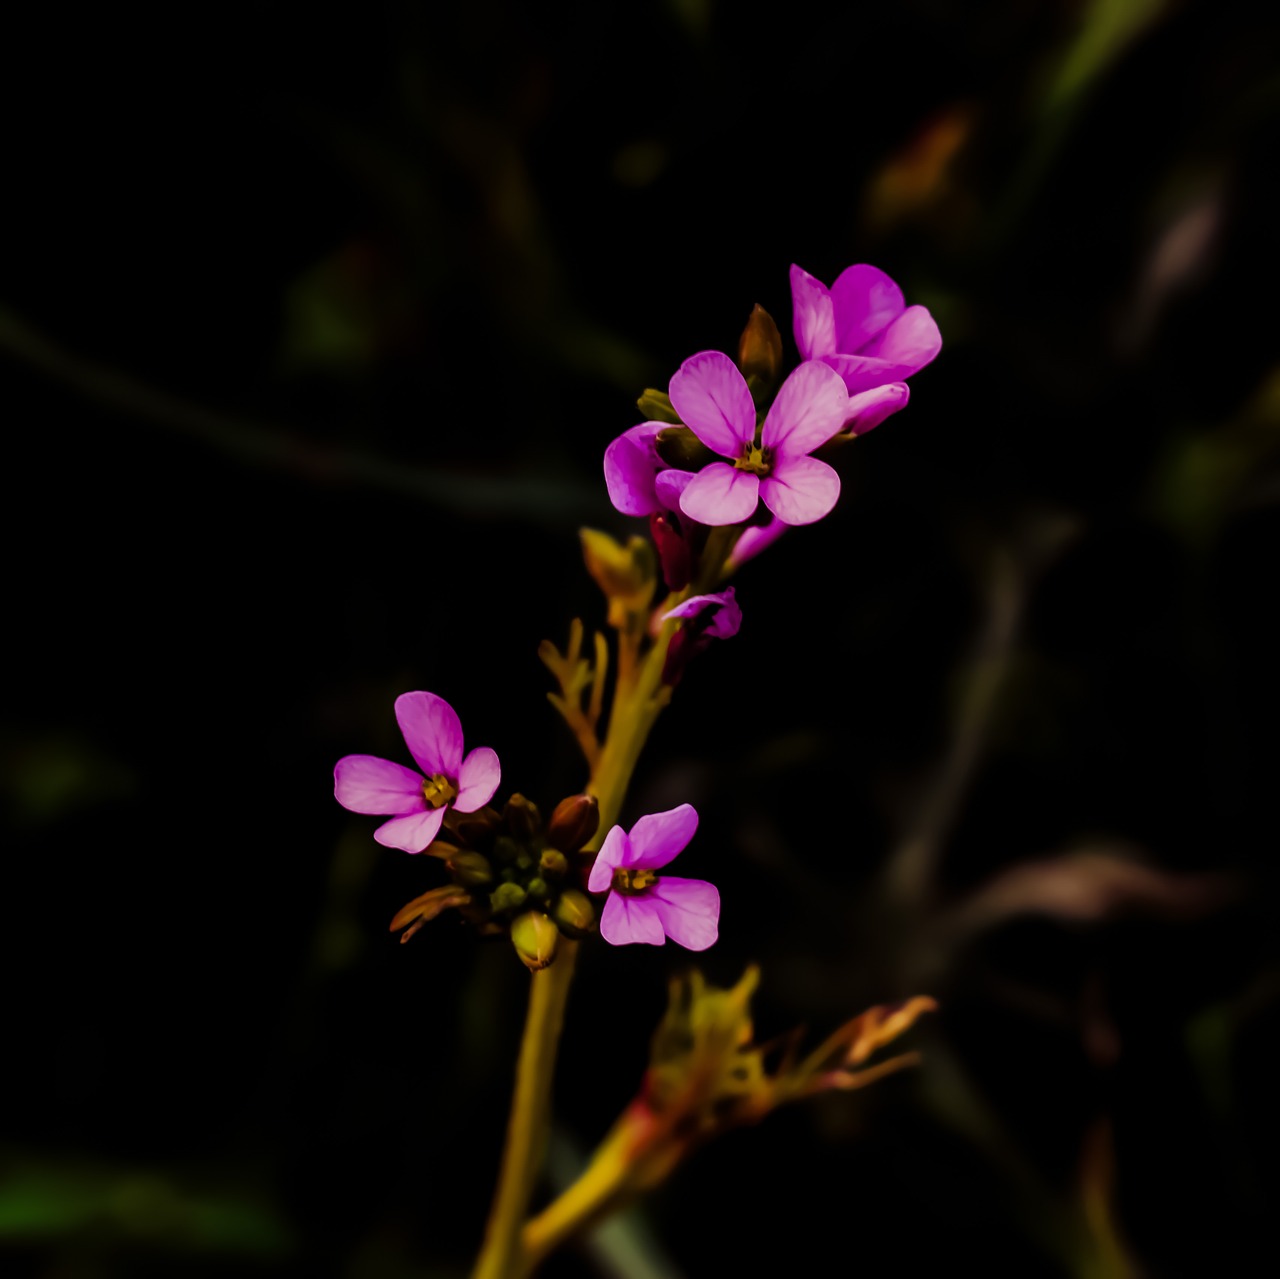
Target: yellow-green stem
[[502, 1257]]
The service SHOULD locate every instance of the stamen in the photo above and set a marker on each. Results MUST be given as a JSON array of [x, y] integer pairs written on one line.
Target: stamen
[[438, 791], [630, 883], [755, 460]]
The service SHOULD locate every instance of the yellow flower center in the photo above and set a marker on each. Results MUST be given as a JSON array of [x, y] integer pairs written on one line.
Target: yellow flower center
[[438, 791], [631, 882], [755, 460]]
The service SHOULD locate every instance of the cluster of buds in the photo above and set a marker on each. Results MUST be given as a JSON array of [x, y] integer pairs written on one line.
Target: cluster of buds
[[510, 871]]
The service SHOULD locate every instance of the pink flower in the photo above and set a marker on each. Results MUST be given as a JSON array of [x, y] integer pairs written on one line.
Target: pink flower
[[713, 401], [705, 617], [433, 734], [643, 906], [863, 329]]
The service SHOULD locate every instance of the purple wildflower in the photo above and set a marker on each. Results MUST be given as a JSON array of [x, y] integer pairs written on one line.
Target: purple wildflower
[[643, 906], [706, 617], [713, 401], [864, 330], [433, 734]]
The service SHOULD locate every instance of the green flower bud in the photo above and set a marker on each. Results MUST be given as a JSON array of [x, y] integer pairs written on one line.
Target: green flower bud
[[537, 889], [760, 352], [506, 849], [553, 863], [522, 817], [468, 867], [574, 821], [678, 446], [656, 406], [535, 938], [574, 913], [507, 897]]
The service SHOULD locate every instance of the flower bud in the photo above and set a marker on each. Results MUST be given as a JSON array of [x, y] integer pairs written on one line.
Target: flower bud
[[507, 897], [469, 867], [574, 913], [573, 822], [760, 352], [535, 938], [553, 863], [537, 889], [506, 850], [522, 817], [628, 575], [673, 552], [656, 406], [473, 829], [678, 446]]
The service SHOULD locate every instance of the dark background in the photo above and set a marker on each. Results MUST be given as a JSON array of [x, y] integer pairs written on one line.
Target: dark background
[[312, 333]]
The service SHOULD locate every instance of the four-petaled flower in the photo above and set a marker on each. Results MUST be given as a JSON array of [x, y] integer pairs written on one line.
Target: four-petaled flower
[[644, 906], [713, 401], [433, 734], [864, 330]]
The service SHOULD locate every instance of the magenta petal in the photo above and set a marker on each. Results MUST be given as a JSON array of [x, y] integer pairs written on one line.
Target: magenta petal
[[367, 784], [811, 407], [659, 837], [625, 920], [630, 464], [432, 732], [720, 494], [713, 401], [813, 320], [865, 302], [688, 910], [910, 342], [478, 778], [668, 487], [865, 372], [613, 851], [801, 491], [868, 409], [727, 618], [412, 832], [756, 539]]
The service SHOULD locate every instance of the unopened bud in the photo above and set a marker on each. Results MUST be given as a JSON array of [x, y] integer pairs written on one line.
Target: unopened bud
[[628, 575], [574, 913], [673, 552], [535, 938], [656, 406], [507, 897], [760, 352], [537, 889], [506, 850], [574, 821], [522, 817], [473, 829], [678, 446], [468, 867], [553, 863]]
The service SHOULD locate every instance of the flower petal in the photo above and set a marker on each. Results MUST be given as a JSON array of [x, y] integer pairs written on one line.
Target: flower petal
[[412, 832], [756, 539], [812, 316], [687, 909], [630, 464], [868, 409], [811, 407], [911, 341], [432, 732], [866, 372], [668, 486], [613, 853], [478, 778], [713, 401], [720, 494], [367, 784], [625, 920], [659, 837], [725, 621], [801, 490], [865, 301]]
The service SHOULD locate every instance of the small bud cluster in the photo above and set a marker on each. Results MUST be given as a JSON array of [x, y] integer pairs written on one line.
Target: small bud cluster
[[511, 872]]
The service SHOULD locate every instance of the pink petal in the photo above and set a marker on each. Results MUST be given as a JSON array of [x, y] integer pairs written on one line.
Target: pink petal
[[367, 784], [865, 302], [813, 319], [756, 539], [687, 909], [613, 851], [659, 837], [432, 732], [811, 407], [625, 920], [911, 341], [801, 490], [720, 494], [630, 464], [668, 487], [868, 409], [478, 778], [713, 401], [412, 833], [865, 372], [725, 622]]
